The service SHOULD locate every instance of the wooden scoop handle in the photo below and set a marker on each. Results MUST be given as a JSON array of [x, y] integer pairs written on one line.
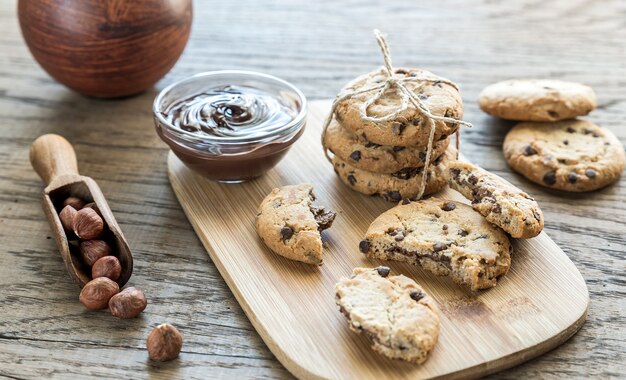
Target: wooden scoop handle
[[53, 156]]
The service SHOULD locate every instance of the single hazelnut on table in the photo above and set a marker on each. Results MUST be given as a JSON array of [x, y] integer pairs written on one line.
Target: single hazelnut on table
[[67, 216], [88, 224], [94, 250], [107, 266], [128, 303], [75, 202], [164, 343], [97, 293]]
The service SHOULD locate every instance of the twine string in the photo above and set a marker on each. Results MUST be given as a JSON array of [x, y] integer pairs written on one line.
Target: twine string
[[407, 98]]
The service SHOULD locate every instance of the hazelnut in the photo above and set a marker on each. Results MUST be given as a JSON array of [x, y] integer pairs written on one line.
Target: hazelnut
[[164, 343], [128, 303], [97, 293], [75, 202], [88, 224], [107, 266], [94, 250], [67, 216]]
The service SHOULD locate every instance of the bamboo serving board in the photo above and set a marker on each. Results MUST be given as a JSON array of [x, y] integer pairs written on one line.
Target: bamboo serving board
[[538, 305]]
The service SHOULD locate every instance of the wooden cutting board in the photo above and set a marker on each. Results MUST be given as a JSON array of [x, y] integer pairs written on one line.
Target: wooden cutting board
[[538, 305]]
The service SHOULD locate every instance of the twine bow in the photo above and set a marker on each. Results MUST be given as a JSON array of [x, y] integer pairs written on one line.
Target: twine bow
[[407, 97]]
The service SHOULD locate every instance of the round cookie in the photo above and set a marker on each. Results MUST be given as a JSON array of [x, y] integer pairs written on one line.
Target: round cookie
[[399, 317], [398, 186], [289, 223], [537, 100], [366, 155], [410, 127], [573, 155], [444, 237]]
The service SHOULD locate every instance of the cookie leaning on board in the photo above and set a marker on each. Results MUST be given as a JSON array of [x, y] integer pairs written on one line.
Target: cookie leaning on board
[[444, 237], [289, 223], [496, 199], [398, 316]]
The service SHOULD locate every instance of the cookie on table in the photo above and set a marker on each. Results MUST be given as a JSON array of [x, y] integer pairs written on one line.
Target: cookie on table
[[444, 237], [404, 184], [366, 155], [410, 128], [401, 320], [573, 155], [537, 100], [496, 199], [289, 223]]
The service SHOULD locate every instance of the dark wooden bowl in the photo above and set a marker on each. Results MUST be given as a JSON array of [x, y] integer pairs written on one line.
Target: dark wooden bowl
[[106, 48]]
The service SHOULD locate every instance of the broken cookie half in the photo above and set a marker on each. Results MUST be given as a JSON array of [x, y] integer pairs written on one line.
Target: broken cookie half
[[444, 237], [289, 223], [496, 199], [401, 320]]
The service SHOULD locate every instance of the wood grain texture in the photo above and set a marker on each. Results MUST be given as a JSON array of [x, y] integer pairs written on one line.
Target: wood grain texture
[[318, 46], [541, 301]]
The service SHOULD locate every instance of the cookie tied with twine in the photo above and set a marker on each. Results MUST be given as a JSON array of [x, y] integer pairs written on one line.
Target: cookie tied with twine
[[408, 99]]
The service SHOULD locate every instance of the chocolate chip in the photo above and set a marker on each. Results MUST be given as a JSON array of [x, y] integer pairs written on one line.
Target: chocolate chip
[[570, 130], [416, 122], [406, 201], [455, 172], [565, 142], [401, 71], [351, 179], [496, 208], [416, 295], [399, 237], [572, 177], [364, 246], [394, 195], [407, 173], [356, 155], [537, 215], [463, 233], [590, 173], [595, 135], [553, 114], [445, 227], [587, 131], [472, 179], [448, 206], [438, 246], [370, 144], [549, 178], [397, 128], [422, 156], [397, 148], [529, 151], [383, 271], [286, 233]]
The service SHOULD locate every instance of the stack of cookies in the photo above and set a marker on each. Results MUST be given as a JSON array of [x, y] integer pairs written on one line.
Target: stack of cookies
[[388, 157], [551, 147]]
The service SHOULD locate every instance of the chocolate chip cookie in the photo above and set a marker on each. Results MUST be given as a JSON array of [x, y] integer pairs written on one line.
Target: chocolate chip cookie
[[444, 237], [409, 128], [401, 320], [369, 156], [573, 155], [403, 184], [496, 199], [537, 100], [289, 223]]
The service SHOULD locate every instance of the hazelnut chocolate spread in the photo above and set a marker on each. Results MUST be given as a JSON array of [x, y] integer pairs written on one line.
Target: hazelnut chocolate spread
[[230, 111], [230, 133]]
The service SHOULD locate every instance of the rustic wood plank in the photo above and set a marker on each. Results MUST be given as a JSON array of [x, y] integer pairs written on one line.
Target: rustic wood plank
[[318, 46]]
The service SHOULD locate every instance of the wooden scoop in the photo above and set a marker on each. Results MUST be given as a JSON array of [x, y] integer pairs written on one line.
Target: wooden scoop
[[54, 159]]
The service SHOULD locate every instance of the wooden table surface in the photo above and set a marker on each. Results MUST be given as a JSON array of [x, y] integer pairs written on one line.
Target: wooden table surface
[[318, 46]]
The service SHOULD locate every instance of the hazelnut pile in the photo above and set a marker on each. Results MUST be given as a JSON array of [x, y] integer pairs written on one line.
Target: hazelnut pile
[[85, 222]]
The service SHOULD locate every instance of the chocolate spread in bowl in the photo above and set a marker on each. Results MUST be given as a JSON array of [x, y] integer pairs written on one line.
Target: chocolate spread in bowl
[[230, 132]]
